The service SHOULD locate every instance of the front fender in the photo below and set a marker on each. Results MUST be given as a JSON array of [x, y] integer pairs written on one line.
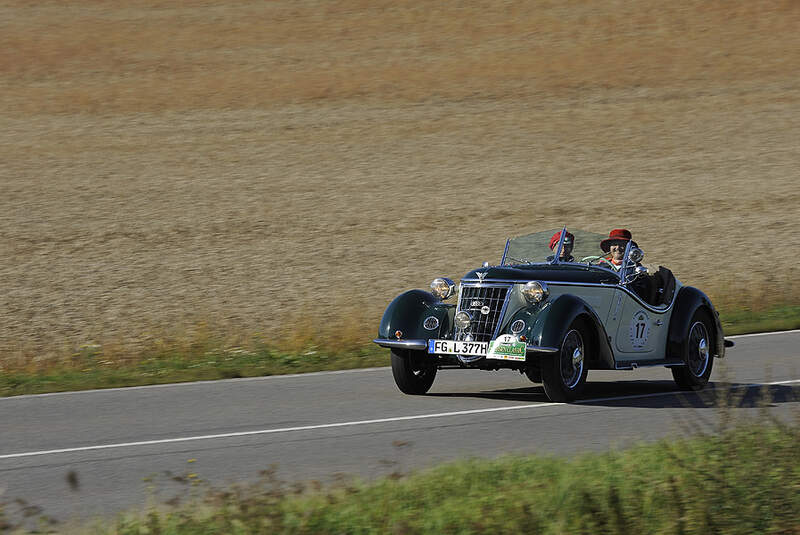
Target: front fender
[[408, 311], [554, 319], [688, 301]]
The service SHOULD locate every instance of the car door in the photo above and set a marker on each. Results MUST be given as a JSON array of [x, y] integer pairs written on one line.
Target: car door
[[641, 329]]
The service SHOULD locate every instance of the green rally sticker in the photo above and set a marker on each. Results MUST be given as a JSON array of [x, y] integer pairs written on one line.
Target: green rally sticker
[[506, 347]]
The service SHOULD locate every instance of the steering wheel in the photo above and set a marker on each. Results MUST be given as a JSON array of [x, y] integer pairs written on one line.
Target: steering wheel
[[599, 259]]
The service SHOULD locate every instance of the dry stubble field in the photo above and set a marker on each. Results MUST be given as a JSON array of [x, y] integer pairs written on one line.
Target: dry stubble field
[[170, 169]]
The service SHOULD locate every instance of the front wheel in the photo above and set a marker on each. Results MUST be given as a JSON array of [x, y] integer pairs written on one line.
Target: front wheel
[[696, 354], [534, 375], [413, 371], [564, 373]]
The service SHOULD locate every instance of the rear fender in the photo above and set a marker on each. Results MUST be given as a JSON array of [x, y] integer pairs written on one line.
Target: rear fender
[[408, 311], [554, 318], [688, 301]]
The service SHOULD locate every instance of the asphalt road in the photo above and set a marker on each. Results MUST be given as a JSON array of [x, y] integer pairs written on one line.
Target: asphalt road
[[88, 453]]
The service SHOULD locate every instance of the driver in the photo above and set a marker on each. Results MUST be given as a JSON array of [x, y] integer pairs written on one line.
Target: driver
[[615, 246], [566, 249]]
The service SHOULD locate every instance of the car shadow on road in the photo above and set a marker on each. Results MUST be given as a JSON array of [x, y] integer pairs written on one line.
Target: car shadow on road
[[652, 394]]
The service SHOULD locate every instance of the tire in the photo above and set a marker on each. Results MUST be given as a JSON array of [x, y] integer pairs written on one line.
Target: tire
[[533, 374], [564, 373], [696, 354], [413, 371]]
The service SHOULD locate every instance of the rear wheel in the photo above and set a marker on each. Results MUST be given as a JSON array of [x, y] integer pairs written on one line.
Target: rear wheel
[[564, 373], [696, 354], [413, 371]]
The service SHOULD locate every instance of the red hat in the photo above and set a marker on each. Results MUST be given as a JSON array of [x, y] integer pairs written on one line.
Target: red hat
[[618, 234], [568, 239]]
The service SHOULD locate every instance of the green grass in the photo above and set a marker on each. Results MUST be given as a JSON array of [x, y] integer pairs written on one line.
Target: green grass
[[744, 480], [87, 370], [209, 359], [743, 321]]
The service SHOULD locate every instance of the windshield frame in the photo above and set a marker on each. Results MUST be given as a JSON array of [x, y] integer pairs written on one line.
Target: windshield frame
[[557, 256]]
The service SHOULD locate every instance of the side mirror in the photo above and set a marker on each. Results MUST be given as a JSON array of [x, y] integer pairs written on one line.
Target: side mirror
[[636, 255]]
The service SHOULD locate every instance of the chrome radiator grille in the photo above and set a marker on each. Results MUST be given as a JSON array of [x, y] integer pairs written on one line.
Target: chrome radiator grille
[[486, 304]]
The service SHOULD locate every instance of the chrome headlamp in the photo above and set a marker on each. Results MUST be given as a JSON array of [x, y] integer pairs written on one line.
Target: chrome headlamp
[[462, 320], [442, 288], [535, 291]]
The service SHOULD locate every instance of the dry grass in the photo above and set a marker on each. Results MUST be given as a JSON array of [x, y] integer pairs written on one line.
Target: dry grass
[[249, 165]]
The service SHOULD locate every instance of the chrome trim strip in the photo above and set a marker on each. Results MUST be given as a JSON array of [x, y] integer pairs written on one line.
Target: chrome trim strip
[[649, 307], [523, 281], [631, 365], [495, 283], [401, 344], [502, 315], [540, 349]]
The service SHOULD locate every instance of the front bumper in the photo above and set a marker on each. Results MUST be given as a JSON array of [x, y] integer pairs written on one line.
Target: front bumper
[[422, 345], [402, 344]]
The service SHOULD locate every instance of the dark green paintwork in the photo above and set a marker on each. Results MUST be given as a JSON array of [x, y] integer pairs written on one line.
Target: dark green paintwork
[[547, 272], [686, 304], [407, 312], [528, 315], [554, 319]]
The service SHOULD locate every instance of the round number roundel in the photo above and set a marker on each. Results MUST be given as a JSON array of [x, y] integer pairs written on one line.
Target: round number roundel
[[640, 329]]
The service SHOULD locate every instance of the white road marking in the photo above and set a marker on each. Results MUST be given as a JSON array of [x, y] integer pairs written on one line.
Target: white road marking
[[359, 422], [269, 377], [279, 430], [763, 334]]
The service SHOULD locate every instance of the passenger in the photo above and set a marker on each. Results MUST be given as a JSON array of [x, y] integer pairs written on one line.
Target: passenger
[[615, 246], [566, 249]]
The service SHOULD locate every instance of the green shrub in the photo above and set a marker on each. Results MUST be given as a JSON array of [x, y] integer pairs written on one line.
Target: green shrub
[[745, 480]]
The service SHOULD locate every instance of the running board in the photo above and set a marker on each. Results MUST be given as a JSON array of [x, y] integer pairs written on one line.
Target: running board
[[651, 364]]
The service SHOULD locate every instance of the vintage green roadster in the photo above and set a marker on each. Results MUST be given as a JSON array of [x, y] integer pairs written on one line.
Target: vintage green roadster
[[555, 307]]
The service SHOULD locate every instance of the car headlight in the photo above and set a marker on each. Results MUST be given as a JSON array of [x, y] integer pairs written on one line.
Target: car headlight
[[462, 320], [535, 291], [442, 288]]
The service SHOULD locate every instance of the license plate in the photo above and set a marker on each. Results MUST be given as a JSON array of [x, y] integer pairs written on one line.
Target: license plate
[[458, 347], [505, 347]]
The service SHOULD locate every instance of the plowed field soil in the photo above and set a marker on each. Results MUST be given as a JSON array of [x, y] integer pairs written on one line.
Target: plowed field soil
[[248, 166]]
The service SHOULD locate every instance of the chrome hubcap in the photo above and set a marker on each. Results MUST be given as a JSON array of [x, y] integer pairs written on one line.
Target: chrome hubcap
[[577, 357], [702, 348], [699, 352], [572, 359]]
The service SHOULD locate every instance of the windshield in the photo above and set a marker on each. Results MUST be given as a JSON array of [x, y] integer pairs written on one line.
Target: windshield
[[535, 248]]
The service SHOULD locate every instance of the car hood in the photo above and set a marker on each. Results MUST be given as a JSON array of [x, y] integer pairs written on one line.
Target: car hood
[[545, 272]]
